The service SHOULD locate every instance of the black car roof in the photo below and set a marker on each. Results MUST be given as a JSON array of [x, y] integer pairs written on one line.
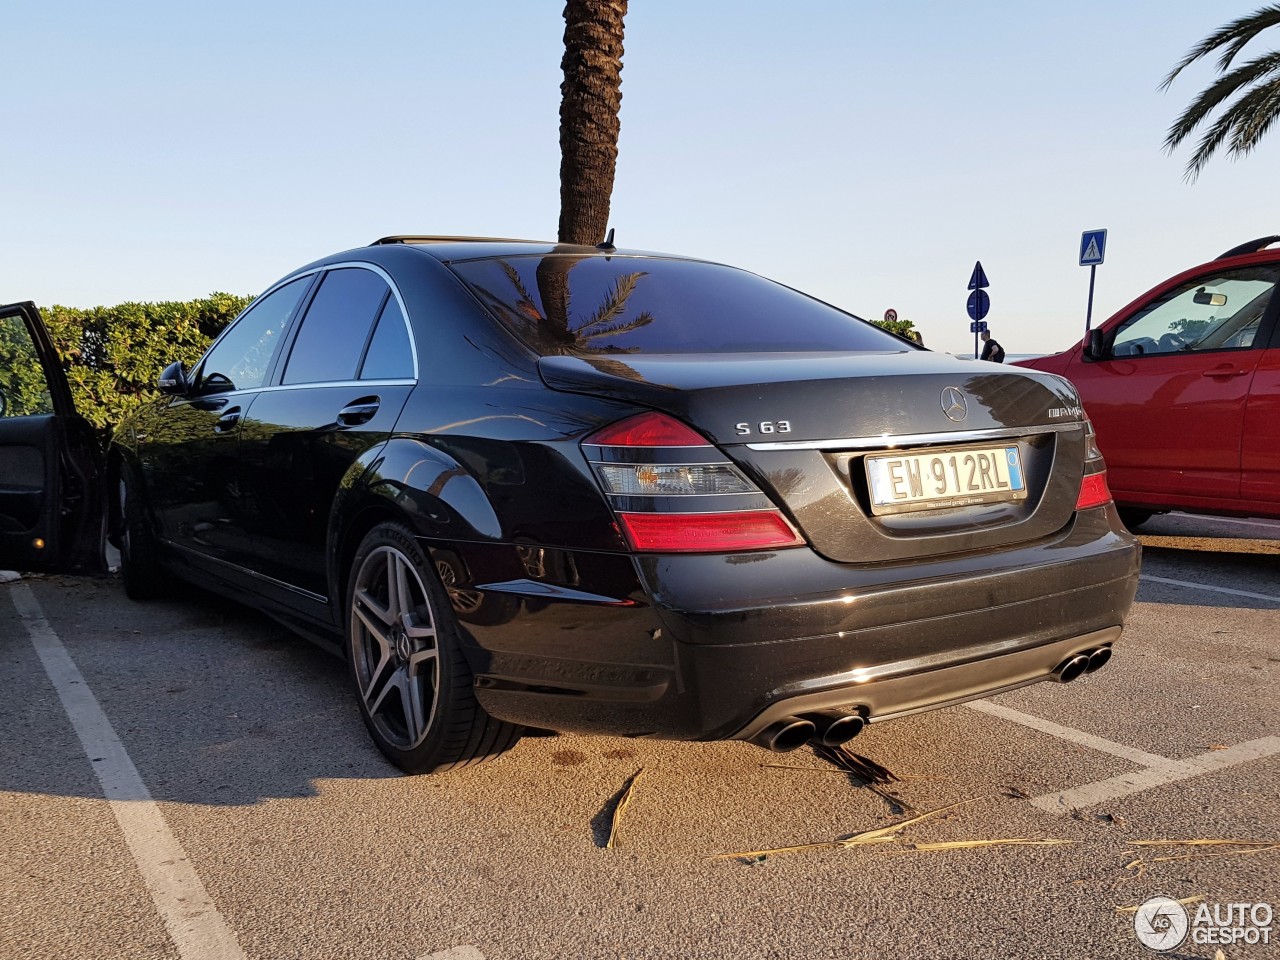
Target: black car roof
[[457, 249]]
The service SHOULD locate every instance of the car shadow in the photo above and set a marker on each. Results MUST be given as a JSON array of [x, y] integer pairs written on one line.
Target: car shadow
[[214, 702], [1235, 576]]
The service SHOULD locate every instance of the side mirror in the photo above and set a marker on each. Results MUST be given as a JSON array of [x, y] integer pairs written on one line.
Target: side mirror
[[173, 381], [1095, 347]]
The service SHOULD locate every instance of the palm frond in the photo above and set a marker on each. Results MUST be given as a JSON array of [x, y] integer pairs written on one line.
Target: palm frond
[[1217, 92], [615, 302], [1241, 114], [526, 298], [626, 326], [1265, 111], [1234, 36]]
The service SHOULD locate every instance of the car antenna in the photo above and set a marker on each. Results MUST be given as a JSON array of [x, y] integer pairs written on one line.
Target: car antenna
[[607, 246]]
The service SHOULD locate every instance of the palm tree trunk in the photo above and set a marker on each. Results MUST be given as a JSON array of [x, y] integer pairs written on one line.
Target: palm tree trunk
[[591, 95]]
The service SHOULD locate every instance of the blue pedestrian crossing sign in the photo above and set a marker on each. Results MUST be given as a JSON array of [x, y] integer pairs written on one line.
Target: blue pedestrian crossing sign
[[1093, 247]]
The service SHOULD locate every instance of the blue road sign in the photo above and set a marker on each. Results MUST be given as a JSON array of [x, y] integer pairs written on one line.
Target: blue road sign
[[1093, 247], [979, 278], [979, 304], [978, 326]]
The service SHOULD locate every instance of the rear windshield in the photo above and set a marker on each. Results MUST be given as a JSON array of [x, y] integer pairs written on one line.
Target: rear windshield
[[566, 304]]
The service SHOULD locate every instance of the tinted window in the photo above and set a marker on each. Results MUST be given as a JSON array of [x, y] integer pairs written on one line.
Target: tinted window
[[239, 360], [389, 356], [335, 327], [1218, 312], [597, 304], [23, 390]]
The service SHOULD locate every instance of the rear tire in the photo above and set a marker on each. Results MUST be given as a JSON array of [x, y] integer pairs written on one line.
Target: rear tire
[[140, 570], [412, 682]]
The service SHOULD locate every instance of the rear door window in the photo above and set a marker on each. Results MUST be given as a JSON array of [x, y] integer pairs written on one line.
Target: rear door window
[[336, 327], [562, 303], [389, 357]]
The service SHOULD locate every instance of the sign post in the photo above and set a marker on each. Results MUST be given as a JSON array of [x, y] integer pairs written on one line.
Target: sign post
[[1093, 249], [979, 304]]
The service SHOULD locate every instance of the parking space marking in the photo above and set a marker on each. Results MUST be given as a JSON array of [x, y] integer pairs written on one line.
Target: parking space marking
[[466, 952], [1171, 771], [1204, 586], [197, 928], [1070, 734], [1265, 524]]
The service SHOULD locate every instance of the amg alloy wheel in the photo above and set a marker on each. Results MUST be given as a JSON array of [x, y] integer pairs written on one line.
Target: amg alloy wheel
[[413, 684]]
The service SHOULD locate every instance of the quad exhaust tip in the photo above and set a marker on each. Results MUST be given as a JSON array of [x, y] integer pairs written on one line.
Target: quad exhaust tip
[[1079, 664], [785, 735], [833, 728], [830, 728]]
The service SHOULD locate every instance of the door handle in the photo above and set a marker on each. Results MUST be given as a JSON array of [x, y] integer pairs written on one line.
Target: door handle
[[1225, 371], [359, 411], [227, 421]]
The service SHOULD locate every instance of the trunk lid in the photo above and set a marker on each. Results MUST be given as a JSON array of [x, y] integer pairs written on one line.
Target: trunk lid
[[803, 425]]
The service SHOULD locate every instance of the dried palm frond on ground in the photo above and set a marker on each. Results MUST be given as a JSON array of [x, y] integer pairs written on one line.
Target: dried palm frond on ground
[[974, 844], [1184, 901], [881, 835], [1243, 848], [624, 799]]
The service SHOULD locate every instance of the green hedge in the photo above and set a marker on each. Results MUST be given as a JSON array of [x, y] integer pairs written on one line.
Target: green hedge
[[113, 355]]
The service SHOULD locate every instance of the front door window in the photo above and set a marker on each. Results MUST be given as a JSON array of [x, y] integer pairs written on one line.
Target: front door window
[[1215, 312]]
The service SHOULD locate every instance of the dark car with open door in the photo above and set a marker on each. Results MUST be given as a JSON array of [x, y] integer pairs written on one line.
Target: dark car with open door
[[526, 485]]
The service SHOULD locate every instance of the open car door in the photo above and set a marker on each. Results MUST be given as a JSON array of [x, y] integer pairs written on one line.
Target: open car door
[[51, 476]]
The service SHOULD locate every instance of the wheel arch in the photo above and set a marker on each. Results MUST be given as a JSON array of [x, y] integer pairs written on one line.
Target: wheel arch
[[413, 483]]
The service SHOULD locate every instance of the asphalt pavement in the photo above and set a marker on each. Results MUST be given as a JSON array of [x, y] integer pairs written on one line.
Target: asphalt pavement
[[185, 779]]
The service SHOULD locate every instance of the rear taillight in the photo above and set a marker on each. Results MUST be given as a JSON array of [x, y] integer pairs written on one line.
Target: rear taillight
[[674, 492], [1094, 491]]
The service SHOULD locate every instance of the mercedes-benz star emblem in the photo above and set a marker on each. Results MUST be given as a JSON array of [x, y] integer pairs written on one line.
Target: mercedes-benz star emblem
[[953, 404]]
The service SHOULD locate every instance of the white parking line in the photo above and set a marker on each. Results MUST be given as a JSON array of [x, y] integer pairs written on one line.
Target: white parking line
[[198, 930], [1204, 586], [1266, 524], [1171, 771], [466, 952], [1069, 734]]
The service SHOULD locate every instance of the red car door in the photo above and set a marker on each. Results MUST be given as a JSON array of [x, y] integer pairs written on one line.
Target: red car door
[[1260, 449], [1170, 392]]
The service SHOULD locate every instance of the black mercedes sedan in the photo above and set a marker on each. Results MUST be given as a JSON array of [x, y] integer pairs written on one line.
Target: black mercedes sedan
[[524, 485]]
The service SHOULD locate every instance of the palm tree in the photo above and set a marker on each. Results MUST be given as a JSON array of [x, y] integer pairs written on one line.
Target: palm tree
[[591, 95], [1241, 125]]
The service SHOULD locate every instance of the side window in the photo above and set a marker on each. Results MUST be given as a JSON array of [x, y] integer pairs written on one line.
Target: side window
[[389, 356], [1216, 312], [239, 360], [23, 390], [336, 326]]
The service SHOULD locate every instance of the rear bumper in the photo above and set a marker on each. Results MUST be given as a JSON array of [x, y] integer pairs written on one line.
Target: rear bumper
[[731, 643]]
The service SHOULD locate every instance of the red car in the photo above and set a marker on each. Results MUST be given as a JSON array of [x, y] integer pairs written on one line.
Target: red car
[[1183, 388]]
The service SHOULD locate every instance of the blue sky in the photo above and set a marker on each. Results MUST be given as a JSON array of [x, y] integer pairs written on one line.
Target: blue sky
[[867, 153]]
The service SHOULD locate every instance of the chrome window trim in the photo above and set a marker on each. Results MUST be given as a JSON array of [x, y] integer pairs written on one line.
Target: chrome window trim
[[359, 384], [892, 441]]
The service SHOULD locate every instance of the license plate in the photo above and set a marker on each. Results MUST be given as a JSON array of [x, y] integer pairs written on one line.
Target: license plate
[[939, 479]]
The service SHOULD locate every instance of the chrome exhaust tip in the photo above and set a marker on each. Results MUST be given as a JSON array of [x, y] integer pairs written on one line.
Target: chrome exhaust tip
[[785, 735], [834, 728], [1071, 668], [1098, 659]]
